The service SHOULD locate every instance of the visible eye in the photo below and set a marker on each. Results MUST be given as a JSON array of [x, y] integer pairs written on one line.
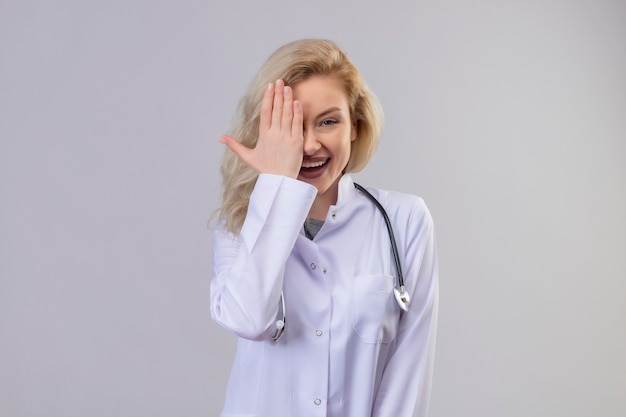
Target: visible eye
[[329, 122]]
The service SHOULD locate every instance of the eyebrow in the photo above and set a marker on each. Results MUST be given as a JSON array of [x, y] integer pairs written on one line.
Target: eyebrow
[[327, 112]]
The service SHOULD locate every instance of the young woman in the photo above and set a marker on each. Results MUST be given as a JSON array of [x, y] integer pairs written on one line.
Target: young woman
[[304, 271]]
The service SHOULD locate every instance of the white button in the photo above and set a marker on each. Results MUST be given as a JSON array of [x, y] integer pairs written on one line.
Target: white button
[[318, 333], [334, 215], [317, 401], [313, 266], [324, 270]]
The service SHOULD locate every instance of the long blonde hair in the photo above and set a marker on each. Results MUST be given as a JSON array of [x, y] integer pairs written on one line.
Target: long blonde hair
[[295, 62]]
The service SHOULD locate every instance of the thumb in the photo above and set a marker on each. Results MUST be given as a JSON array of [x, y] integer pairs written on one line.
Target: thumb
[[234, 145]]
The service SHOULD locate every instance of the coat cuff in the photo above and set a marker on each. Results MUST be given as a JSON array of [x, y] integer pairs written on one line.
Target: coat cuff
[[279, 201]]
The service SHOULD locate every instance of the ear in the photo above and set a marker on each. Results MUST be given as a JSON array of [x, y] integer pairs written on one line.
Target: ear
[[354, 131]]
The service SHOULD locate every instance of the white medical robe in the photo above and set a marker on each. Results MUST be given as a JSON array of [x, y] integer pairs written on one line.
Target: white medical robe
[[348, 349]]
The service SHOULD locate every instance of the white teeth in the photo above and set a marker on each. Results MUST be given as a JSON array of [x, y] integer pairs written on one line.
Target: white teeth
[[313, 164]]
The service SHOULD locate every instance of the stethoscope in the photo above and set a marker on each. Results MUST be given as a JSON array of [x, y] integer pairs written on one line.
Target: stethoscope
[[402, 296]]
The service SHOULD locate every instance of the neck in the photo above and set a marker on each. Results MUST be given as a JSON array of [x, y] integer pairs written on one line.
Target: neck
[[322, 203], [319, 210]]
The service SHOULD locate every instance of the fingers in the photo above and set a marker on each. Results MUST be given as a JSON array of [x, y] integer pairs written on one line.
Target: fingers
[[298, 121], [287, 118], [266, 108], [278, 149], [277, 111]]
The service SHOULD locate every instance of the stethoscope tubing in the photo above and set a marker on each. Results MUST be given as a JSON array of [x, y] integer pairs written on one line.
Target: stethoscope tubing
[[402, 296], [392, 237]]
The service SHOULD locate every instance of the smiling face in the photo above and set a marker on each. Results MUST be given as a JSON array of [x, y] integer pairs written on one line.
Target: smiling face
[[328, 133]]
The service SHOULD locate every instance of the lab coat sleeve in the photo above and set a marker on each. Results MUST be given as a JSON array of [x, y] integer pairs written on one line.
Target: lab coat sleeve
[[248, 268], [406, 383]]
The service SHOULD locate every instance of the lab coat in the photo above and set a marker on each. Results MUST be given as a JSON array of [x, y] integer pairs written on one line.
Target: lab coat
[[348, 349]]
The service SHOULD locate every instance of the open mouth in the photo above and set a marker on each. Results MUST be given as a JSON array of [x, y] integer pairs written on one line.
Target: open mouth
[[315, 164], [312, 169]]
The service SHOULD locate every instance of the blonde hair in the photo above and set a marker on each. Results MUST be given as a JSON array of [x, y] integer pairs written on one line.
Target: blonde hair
[[295, 62]]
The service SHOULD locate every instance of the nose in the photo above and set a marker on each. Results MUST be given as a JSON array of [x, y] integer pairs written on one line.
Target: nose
[[311, 143]]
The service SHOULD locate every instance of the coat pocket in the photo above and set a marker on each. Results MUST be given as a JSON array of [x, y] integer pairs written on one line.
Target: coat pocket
[[375, 313]]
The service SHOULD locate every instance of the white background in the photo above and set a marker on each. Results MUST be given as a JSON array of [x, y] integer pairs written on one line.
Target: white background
[[508, 117]]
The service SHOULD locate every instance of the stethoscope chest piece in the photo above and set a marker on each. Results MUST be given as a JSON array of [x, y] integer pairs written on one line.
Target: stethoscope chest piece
[[402, 297]]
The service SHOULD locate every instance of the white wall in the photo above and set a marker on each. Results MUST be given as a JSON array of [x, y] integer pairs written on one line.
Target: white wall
[[507, 117]]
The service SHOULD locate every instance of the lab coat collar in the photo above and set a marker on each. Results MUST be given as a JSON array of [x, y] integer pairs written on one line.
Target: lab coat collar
[[345, 191]]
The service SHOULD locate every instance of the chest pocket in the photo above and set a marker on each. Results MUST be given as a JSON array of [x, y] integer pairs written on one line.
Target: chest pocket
[[375, 312]]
